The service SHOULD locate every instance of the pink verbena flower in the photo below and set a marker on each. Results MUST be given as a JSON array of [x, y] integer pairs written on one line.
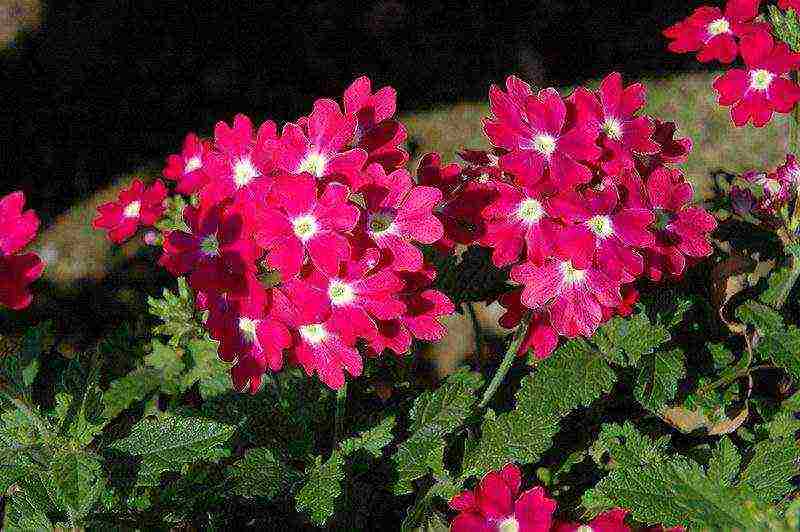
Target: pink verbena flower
[[135, 206], [302, 222], [377, 132], [216, 254], [612, 110], [606, 230], [540, 337], [518, 225], [761, 89], [319, 148], [17, 270], [249, 335], [186, 167], [681, 229], [539, 138], [610, 521], [574, 295], [397, 214], [497, 504], [317, 345], [711, 32]]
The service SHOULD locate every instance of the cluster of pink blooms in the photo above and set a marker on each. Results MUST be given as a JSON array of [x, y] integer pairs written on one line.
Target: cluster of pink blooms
[[496, 505], [303, 244], [17, 269], [578, 197], [762, 87], [766, 194]]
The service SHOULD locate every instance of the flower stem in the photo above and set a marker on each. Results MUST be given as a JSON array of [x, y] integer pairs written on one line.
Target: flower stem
[[505, 365], [341, 403]]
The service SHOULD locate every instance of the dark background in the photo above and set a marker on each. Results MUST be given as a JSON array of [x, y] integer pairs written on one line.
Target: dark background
[[99, 88]]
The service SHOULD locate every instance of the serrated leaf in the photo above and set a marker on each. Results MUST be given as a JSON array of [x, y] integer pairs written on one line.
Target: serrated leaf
[[130, 389], [724, 463], [168, 360], [317, 497], [372, 441], [770, 471], [169, 442], [434, 415], [205, 363], [625, 340], [23, 513], [721, 355], [79, 430], [785, 26], [658, 378], [261, 474], [760, 316], [783, 348], [79, 479], [181, 320]]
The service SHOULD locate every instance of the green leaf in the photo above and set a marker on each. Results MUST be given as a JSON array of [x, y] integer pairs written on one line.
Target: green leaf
[[772, 468], [670, 490], [173, 215], [181, 320], [261, 474], [19, 369], [724, 463], [575, 375], [785, 26], [169, 442], [168, 360], [658, 378], [434, 415], [372, 441], [130, 389], [721, 356], [80, 430], [79, 479], [205, 364], [25, 511], [759, 316], [625, 340], [318, 496], [783, 348]]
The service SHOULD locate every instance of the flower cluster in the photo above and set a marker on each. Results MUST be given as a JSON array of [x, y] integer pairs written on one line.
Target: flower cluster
[[579, 199], [17, 269], [302, 243], [762, 87], [496, 504]]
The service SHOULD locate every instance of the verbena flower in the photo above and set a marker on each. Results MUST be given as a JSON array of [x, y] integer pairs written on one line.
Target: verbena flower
[[17, 270], [136, 206], [610, 521], [187, 167]]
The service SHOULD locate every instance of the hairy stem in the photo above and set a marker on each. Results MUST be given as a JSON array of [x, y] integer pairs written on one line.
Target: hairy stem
[[476, 326], [505, 365], [341, 403]]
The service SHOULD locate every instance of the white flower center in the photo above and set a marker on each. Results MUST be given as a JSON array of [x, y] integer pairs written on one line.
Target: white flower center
[[248, 328], [305, 227], [584, 528], [132, 209], [509, 524], [718, 27], [600, 226], [544, 144], [313, 334], [612, 128], [314, 163], [192, 164], [571, 274], [244, 172], [761, 79], [530, 210], [210, 246], [340, 293], [381, 222]]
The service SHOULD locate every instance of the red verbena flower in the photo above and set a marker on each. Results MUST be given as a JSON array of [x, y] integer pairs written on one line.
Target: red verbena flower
[[540, 337], [760, 90], [186, 167], [136, 206], [497, 504], [610, 521], [711, 32], [17, 270]]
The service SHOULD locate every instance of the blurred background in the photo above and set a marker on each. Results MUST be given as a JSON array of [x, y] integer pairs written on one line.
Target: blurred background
[[96, 92]]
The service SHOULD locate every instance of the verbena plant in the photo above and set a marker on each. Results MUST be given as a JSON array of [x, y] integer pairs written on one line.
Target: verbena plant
[[649, 378]]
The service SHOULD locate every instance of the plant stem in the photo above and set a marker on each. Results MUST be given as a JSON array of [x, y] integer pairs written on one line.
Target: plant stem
[[794, 148], [476, 326], [341, 403], [505, 365]]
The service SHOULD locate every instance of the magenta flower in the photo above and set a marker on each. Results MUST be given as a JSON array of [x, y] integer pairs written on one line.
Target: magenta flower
[[711, 32], [249, 336], [320, 148], [610, 521], [681, 229], [302, 222], [518, 226], [398, 213], [613, 111], [539, 138], [217, 253], [238, 159], [377, 132], [496, 504], [761, 89], [17, 270], [135, 206], [186, 168], [575, 295], [540, 338]]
